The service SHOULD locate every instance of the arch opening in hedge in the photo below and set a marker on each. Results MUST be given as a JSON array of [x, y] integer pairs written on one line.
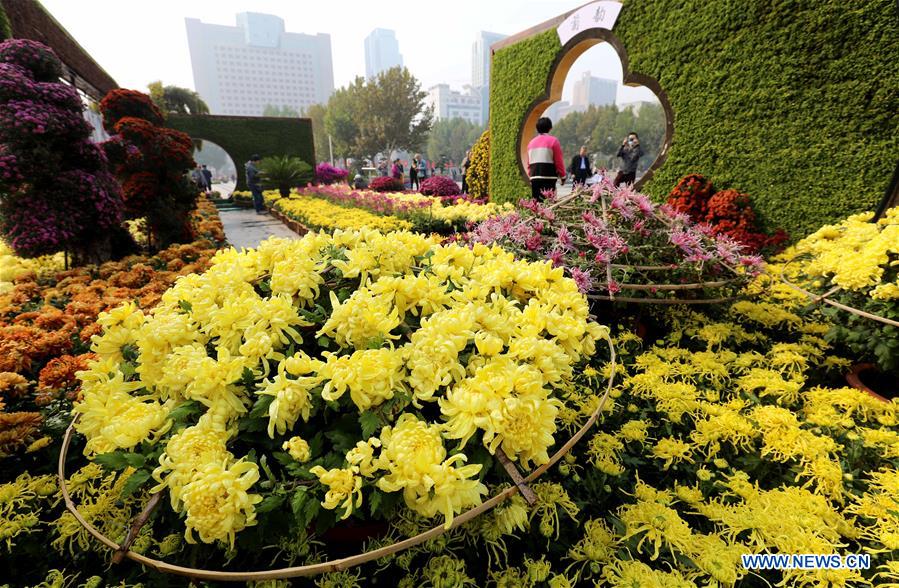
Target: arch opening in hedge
[[243, 136], [559, 71]]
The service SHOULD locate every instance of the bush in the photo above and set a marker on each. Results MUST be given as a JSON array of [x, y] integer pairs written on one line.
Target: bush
[[152, 163], [385, 184], [284, 172], [325, 173], [439, 186], [57, 192], [478, 174], [728, 212]]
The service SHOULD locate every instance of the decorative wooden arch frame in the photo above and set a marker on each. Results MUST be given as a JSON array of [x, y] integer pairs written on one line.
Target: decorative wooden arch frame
[[561, 65]]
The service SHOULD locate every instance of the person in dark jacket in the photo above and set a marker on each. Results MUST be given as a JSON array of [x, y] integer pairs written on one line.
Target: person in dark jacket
[[630, 153], [207, 178], [254, 182], [580, 167], [466, 164], [413, 173]]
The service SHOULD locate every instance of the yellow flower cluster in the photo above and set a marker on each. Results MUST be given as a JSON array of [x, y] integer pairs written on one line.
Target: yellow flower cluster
[[853, 254], [13, 267], [317, 213], [489, 341]]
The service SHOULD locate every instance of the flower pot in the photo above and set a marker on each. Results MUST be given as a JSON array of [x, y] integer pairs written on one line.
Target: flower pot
[[853, 378]]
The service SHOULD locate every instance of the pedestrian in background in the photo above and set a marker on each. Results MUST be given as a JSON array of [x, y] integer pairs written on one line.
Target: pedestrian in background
[[580, 167], [254, 183], [413, 173], [545, 163], [466, 163], [630, 153]]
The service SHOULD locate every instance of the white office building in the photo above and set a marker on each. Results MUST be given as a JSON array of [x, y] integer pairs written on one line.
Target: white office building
[[449, 103], [592, 91], [480, 69], [239, 70], [382, 52]]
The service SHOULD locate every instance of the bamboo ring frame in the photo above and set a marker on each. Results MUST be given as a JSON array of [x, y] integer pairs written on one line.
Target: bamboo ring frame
[[825, 298], [336, 564]]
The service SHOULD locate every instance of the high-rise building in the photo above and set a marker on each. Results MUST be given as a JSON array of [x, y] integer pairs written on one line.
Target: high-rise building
[[239, 70], [591, 91], [480, 69], [382, 52], [449, 104]]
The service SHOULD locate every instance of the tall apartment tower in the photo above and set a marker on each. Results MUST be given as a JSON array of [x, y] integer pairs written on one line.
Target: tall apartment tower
[[480, 69], [239, 70], [382, 52], [593, 91]]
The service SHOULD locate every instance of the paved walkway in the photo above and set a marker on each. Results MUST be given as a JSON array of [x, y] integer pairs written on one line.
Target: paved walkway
[[245, 228]]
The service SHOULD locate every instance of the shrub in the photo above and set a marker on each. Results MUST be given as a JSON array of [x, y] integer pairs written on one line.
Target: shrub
[[325, 173], [152, 163], [439, 186], [478, 174], [728, 212], [284, 172], [57, 192], [385, 184]]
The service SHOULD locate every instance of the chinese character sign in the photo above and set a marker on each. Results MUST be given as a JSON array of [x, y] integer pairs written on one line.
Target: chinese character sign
[[596, 15]]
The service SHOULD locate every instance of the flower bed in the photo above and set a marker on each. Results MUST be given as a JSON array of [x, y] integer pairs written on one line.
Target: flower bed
[[614, 240], [359, 367], [316, 213], [853, 267]]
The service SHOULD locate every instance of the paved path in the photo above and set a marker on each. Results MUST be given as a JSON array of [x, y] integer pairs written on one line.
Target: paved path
[[245, 228]]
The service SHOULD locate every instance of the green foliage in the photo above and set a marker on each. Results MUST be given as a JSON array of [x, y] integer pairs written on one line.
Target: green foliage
[[316, 113], [241, 137], [283, 111], [5, 29], [452, 138], [379, 115], [793, 103], [176, 99], [284, 172], [602, 128]]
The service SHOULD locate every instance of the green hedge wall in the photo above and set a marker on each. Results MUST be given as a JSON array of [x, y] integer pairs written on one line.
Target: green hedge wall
[[242, 136], [792, 101]]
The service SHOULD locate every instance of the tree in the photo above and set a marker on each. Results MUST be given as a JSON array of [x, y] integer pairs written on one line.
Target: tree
[[5, 29], [394, 114], [452, 138], [175, 99], [283, 111], [342, 115], [316, 113]]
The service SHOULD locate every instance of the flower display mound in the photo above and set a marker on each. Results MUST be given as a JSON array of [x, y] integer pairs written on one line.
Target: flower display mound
[[727, 212], [353, 375], [855, 263], [386, 184], [613, 240], [325, 173], [439, 186]]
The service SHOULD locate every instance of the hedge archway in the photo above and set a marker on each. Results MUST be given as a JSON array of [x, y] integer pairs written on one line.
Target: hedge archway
[[242, 136], [792, 102]]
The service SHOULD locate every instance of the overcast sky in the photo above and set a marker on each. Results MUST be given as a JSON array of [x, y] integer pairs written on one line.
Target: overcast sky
[[139, 41]]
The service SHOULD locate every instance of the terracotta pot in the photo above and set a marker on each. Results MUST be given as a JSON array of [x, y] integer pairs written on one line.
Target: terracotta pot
[[853, 379]]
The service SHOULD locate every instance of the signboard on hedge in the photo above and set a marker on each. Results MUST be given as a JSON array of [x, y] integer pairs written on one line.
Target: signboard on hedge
[[596, 15]]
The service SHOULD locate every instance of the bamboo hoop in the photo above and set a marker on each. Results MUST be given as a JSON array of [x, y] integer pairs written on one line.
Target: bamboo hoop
[[336, 564], [663, 300], [674, 287], [825, 299]]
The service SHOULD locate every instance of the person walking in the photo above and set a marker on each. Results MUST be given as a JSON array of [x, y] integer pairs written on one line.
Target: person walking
[[466, 163], [422, 169], [580, 167], [413, 173], [254, 182], [207, 178], [545, 163], [630, 153]]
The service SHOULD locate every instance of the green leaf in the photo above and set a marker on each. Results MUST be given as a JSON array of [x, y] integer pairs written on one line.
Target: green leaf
[[248, 379], [370, 423], [184, 411], [323, 342], [270, 502], [185, 306], [114, 460], [374, 501], [135, 460], [135, 481], [260, 408], [127, 369]]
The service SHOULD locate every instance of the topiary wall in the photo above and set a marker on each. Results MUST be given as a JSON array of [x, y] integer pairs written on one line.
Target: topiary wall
[[792, 101], [242, 136]]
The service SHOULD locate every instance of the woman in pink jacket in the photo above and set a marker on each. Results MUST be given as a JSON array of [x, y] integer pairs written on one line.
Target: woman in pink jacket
[[545, 163]]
